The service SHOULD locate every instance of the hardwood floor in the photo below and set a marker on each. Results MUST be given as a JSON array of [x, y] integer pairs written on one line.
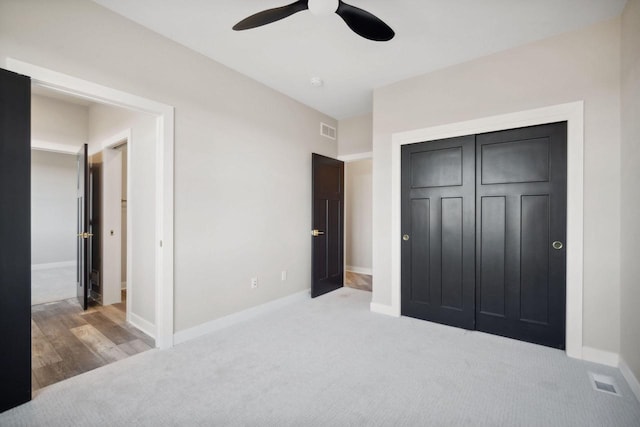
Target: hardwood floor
[[65, 341], [364, 282]]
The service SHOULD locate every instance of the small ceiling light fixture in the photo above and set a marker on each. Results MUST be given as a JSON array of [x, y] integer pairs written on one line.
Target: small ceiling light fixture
[[316, 82]]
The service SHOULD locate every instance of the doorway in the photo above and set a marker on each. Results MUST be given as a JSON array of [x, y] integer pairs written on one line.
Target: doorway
[[53, 211], [161, 200], [341, 219], [70, 337], [16, 382], [358, 223]]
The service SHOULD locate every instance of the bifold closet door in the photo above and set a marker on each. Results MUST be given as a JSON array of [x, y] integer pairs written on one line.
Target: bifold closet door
[[484, 226], [438, 217], [521, 181]]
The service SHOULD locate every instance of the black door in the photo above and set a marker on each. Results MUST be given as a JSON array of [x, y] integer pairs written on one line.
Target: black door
[[84, 235], [327, 207], [521, 177], [438, 217], [517, 270], [15, 240]]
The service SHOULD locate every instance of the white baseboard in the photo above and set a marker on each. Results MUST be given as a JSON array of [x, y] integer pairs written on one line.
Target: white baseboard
[[49, 265], [142, 324], [359, 270], [383, 309], [633, 382], [602, 357], [232, 319]]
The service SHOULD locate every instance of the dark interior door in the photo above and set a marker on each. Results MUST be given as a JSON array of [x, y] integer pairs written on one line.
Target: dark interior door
[[438, 216], [521, 179], [327, 207], [15, 239], [95, 222], [84, 235]]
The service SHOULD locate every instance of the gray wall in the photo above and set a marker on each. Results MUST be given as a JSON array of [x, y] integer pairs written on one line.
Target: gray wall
[[581, 65], [104, 123], [53, 207], [358, 215], [242, 150], [630, 197], [355, 135], [59, 122]]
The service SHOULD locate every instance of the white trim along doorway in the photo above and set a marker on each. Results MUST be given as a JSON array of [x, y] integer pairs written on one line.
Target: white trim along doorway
[[164, 197], [573, 114]]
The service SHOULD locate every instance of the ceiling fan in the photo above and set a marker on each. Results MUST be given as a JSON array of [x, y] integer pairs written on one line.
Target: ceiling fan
[[360, 21]]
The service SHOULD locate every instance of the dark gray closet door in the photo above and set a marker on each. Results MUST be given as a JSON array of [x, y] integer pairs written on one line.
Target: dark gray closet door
[[438, 216], [484, 222], [521, 178]]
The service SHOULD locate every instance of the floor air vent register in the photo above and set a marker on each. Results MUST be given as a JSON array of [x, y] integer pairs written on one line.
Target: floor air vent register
[[604, 384]]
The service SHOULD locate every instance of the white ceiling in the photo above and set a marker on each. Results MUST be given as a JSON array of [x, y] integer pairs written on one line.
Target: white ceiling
[[430, 34]]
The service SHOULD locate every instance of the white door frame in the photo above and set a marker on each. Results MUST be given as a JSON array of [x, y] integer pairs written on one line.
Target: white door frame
[[573, 114], [111, 219], [163, 174], [111, 143]]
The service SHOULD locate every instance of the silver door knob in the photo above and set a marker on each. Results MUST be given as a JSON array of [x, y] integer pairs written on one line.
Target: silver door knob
[[557, 245], [405, 237]]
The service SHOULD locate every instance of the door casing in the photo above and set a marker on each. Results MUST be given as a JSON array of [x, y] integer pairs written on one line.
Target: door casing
[[573, 114]]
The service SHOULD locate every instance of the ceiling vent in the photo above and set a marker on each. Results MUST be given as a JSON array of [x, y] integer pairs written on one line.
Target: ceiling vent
[[328, 131]]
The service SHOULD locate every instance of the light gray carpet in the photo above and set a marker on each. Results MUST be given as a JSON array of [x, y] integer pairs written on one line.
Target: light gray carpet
[[330, 361], [53, 284]]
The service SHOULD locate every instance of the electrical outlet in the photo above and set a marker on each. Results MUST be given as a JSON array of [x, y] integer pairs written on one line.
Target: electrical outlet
[[254, 282], [283, 276]]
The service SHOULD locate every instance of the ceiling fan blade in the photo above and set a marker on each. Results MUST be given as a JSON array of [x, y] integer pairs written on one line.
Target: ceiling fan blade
[[271, 15], [364, 23]]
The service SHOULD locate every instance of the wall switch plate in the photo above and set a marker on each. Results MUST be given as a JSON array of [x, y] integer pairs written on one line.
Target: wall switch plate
[[254, 282], [283, 276]]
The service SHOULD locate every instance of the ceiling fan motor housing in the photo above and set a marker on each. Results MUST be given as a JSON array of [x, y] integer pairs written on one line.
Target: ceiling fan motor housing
[[323, 7]]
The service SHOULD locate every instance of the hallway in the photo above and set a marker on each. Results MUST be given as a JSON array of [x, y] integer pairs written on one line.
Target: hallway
[[67, 341]]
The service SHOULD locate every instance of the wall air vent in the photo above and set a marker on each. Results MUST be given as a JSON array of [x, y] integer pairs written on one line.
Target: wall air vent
[[328, 131]]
